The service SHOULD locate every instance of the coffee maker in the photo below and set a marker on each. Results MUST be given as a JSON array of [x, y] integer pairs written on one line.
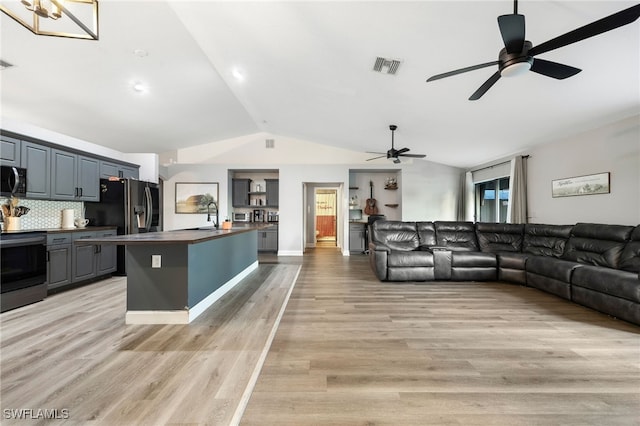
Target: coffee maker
[[258, 215]]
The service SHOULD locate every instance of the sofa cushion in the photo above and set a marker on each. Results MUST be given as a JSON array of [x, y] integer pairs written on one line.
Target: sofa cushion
[[395, 234], [630, 257], [551, 267], [473, 259], [545, 240], [500, 237], [409, 258], [456, 236], [508, 260], [597, 244], [610, 281], [426, 234]]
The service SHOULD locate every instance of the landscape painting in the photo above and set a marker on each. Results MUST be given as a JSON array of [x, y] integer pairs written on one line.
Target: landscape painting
[[581, 185], [196, 197]]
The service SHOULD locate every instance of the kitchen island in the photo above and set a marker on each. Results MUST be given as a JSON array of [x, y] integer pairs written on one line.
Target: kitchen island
[[174, 276]]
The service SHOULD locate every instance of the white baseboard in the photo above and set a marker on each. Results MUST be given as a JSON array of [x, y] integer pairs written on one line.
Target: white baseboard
[[290, 253]]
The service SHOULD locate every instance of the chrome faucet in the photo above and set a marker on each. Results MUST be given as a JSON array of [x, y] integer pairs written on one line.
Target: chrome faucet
[[209, 213]]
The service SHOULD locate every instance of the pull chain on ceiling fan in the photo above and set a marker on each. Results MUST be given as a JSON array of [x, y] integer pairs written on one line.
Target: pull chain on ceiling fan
[[518, 54]]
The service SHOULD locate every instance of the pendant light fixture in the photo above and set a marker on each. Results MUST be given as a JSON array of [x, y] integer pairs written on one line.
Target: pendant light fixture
[[60, 18]]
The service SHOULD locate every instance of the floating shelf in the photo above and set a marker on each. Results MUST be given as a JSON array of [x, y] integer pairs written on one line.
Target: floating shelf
[[353, 187], [391, 188], [391, 205]]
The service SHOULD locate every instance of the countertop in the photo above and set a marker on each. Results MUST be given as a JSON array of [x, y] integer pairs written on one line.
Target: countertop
[[183, 236], [60, 230]]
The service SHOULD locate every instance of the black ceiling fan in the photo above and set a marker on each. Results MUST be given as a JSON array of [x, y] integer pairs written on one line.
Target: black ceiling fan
[[395, 153], [518, 54]]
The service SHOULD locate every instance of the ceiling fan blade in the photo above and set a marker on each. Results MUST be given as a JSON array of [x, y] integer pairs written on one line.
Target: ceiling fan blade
[[600, 26], [375, 158], [413, 155], [553, 69], [486, 86], [512, 31], [461, 70], [401, 151], [374, 152]]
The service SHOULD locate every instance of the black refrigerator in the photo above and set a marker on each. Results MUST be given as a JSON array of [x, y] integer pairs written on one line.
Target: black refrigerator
[[133, 206]]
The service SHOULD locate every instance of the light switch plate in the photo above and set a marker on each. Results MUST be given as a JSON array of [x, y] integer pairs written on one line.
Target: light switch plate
[[156, 261]]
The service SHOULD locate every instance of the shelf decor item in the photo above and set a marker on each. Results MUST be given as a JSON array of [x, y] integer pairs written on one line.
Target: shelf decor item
[[581, 185], [196, 197]]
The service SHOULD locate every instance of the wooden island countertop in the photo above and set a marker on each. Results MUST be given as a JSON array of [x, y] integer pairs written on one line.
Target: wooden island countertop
[[181, 236]]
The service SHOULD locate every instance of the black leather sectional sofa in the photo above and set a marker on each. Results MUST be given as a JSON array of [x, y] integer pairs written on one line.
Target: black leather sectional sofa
[[594, 265]]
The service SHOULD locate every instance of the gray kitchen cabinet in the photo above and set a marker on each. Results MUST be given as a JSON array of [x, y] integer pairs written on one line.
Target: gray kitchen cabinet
[[83, 261], [130, 172], [58, 260], [10, 151], [63, 175], [268, 239], [106, 256], [37, 160], [273, 192], [109, 169], [88, 178], [74, 177], [357, 237], [240, 192]]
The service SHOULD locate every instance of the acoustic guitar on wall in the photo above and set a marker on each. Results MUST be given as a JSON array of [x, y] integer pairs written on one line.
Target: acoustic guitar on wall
[[370, 207]]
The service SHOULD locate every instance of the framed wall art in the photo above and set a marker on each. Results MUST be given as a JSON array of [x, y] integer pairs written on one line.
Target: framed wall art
[[581, 185], [196, 197]]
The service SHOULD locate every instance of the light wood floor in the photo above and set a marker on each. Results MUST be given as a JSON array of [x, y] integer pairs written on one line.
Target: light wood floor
[[353, 351], [349, 351]]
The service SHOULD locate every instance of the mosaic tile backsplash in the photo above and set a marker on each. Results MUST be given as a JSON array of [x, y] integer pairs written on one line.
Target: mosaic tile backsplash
[[44, 213]]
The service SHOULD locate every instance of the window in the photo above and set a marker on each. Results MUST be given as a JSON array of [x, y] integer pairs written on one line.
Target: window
[[492, 198]]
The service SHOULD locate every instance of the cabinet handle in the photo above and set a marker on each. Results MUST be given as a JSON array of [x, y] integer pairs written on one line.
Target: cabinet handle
[[75, 192], [48, 256], [81, 192]]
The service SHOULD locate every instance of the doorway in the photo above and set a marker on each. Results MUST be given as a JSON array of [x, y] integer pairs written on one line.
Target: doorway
[[326, 215]]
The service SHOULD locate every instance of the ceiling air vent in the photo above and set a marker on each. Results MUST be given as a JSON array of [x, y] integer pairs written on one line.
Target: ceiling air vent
[[386, 66], [4, 65], [270, 143]]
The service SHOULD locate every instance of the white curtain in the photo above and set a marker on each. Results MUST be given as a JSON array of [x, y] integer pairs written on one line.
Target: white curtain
[[466, 206], [517, 206]]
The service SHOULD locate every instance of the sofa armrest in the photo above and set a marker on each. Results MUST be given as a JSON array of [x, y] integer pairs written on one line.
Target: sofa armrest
[[378, 255]]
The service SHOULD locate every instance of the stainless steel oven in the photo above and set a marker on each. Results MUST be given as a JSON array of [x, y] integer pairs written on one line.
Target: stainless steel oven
[[24, 268]]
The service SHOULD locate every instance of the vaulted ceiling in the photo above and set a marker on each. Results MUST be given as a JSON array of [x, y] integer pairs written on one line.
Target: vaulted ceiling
[[214, 70]]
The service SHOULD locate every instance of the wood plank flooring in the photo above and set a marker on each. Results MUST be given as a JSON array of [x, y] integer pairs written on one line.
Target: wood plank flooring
[[73, 352], [350, 350], [353, 351]]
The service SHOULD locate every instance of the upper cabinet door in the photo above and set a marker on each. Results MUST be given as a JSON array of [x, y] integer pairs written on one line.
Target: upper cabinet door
[[37, 160], [88, 178], [273, 192], [63, 175], [10, 151]]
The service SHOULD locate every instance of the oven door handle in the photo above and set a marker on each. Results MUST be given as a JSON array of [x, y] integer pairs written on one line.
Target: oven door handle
[[32, 241]]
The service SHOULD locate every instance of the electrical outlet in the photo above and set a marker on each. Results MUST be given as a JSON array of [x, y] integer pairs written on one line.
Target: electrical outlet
[[156, 261]]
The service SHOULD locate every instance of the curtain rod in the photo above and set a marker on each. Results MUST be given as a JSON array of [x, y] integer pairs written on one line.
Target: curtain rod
[[495, 165]]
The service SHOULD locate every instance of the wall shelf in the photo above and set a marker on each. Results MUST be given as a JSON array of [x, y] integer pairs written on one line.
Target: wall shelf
[[391, 205]]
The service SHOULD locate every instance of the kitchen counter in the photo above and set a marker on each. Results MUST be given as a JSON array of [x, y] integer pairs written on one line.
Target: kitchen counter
[[59, 230], [174, 276]]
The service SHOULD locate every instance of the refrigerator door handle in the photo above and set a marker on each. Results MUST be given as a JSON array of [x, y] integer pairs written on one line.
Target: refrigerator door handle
[[148, 214]]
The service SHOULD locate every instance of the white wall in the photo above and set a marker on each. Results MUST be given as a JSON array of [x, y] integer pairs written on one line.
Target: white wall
[[429, 190], [614, 148]]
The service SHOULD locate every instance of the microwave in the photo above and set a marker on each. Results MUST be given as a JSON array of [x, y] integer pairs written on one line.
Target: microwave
[[13, 181], [241, 217]]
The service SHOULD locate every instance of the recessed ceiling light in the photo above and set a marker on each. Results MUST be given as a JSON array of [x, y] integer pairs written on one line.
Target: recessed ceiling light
[[237, 74], [139, 87]]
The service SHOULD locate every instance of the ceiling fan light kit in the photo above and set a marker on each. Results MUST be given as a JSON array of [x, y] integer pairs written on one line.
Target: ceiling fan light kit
[[517, 57], [68, 18]]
